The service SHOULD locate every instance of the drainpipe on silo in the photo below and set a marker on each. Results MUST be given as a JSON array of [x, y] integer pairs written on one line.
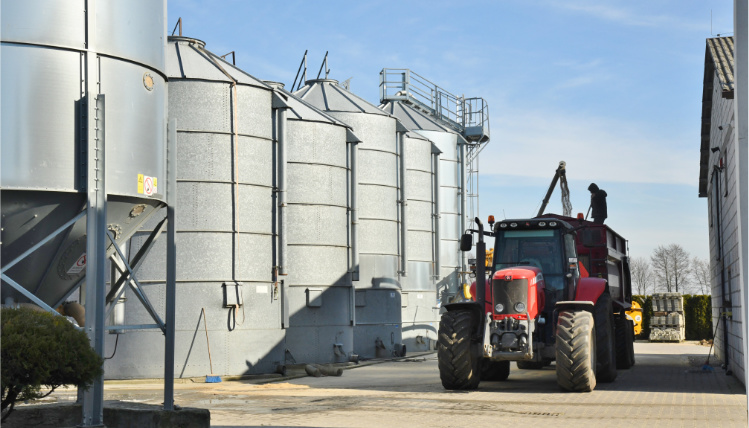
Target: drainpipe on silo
[[353, 143], [401, 133], [436, 213], [279, 104], [462, 219]]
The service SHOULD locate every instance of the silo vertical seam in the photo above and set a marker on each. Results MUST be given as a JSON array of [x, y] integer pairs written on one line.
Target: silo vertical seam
[[235, 172]]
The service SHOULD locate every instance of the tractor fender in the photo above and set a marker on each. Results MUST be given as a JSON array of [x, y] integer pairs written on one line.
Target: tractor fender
[[477, 315], [575, 305], [590, 289]]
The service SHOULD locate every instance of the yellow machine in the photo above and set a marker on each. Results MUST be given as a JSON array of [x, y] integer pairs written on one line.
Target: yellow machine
[[635, 314], [489, 257]]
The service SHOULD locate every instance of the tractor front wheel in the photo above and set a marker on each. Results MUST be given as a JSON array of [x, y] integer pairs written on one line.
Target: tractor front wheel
[[576, 351], [457, 354]]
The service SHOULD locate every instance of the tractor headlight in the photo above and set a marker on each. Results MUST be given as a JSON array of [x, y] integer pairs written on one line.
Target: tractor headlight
[[503, 225], [542, 223], [499, 308], [519, 307]]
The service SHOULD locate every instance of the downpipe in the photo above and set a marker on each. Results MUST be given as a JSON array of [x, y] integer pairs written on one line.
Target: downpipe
[[403, 205], [436, 216]]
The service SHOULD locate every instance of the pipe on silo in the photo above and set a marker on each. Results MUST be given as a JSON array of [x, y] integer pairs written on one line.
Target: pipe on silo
[[353, 142], [462, 218], [280, 106], [403, 204], [436, 216]]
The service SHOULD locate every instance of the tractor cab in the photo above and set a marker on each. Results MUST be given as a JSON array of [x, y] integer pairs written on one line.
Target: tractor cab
[[547, 244]]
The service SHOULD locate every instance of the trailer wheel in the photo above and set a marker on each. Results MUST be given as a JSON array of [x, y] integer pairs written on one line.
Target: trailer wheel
[[532, 365], [631, 342], [625, 351], [458, 356], [495, 370], [576, 351], [605, 339]]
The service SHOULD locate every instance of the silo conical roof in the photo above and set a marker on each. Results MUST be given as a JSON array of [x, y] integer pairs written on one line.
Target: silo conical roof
[[327, 94], [300, 109], [187, 58], [414, 118]]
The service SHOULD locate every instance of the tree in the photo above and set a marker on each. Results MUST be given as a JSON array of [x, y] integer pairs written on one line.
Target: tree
[[671, 268], [701, 275], [642, 276], [41, 349]]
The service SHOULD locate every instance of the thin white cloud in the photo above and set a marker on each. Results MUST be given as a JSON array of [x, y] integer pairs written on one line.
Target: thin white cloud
[[595, 148], [628, 17]]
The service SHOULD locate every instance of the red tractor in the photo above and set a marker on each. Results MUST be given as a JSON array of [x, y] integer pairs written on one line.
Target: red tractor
[[557, 290]]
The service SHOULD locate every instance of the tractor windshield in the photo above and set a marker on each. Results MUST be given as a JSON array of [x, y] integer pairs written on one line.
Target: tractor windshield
[[540, 248]]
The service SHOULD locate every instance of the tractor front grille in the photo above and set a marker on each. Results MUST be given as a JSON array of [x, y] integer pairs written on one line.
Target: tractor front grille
[[508, 293]]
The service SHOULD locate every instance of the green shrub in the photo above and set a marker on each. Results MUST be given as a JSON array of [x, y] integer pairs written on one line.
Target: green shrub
[[698, 317], [40, 349]]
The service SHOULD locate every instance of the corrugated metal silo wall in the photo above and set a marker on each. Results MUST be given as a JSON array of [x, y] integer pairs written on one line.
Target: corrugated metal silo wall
[[247, 340], [44, 128], [378, 291], [318, 282], [451, 223], [420, 313]]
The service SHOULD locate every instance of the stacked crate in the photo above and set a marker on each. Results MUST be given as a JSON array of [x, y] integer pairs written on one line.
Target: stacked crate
[[667, 323]]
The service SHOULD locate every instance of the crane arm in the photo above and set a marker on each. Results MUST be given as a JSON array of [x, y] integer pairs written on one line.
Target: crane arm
[[559, 176]]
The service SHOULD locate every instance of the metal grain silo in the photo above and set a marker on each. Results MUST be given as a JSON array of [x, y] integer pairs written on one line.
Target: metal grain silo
[[459, 129], [449, 259], [316, 169], [224, 228], [420, 313], [83, 113], [378, 288]]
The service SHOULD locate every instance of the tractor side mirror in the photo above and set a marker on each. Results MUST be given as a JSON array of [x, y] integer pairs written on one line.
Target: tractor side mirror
[[466, 242]]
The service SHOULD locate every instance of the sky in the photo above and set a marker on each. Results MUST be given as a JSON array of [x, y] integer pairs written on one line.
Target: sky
[[613, 88]]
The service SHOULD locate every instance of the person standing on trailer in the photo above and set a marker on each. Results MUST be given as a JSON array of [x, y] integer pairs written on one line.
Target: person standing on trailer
[[598, 203]]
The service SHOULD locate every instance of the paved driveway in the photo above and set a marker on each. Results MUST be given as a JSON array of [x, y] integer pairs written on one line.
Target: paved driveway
[[666, 388]]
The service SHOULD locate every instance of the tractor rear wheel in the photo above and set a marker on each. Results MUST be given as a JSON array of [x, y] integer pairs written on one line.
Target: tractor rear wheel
[[605, 339], [495, 370], [576, 351], [531, 365], [625, 357], [457, 354]]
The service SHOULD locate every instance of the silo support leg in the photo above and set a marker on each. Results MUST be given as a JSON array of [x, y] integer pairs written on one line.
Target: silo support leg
[[140, 256], [136, 287]]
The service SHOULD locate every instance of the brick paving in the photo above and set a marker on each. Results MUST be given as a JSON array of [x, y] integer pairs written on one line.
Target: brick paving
[[666, 388]]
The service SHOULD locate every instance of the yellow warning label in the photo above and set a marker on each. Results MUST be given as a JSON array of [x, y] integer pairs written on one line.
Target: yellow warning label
[[154, 184], [140, 183]]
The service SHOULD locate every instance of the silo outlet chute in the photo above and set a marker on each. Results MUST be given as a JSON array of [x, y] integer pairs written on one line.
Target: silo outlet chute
[[84, 156]]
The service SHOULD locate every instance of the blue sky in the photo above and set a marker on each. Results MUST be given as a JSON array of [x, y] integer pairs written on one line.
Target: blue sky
[[613, 88]]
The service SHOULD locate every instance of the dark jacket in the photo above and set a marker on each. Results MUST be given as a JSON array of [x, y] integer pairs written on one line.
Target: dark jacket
[[598, 202]]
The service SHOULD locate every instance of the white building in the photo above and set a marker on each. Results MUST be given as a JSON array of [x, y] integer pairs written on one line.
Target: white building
[[721, 168]]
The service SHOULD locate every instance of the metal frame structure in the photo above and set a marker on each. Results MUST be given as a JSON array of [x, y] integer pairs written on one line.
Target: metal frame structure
[[95, 294]]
